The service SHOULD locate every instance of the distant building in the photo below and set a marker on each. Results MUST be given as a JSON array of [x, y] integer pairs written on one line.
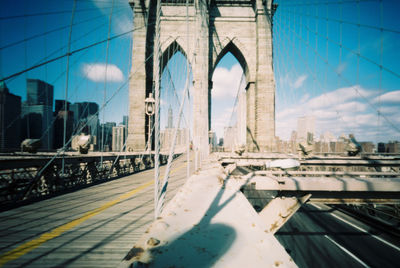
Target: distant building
[[37, 113], [166, 138], [293, 136], [39, 92], [86, 120], [118, 138], [59, 106], [390, 147], [213, 141], [305, 125], [327, 137], [58, 141], [125, 120], [241, 118], [10, 120], [82, 110], [367, 147], [106, 141], [221, 142], [393, 147], [170, 118], [37, 123], [230, 138]]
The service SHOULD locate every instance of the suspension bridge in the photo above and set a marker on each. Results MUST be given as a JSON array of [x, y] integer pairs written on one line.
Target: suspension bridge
[[207, 167]]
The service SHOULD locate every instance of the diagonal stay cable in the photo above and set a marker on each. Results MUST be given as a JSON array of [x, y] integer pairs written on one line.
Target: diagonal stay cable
[[355, 53], [380, 28], [40, 172], [69, 54], [50, 32], [49, 13], [347, 81]]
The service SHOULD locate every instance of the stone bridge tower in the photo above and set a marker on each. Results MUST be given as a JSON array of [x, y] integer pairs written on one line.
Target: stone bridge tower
[[216, 27]]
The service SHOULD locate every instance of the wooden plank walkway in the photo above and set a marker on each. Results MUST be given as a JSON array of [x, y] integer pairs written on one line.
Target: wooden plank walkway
[[92, 227]]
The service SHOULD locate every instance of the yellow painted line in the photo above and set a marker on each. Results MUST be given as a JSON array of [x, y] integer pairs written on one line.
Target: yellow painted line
[[31, 245]]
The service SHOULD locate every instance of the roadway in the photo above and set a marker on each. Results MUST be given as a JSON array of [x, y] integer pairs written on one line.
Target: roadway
[[320, 236], [97, 226], [91, 227]]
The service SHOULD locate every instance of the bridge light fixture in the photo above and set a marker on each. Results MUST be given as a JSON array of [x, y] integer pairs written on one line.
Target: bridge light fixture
[[149, 105]]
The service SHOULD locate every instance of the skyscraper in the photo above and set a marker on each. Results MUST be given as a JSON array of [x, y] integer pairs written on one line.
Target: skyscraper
[[125, 119], [305, 125], [39, 92], [82, 110], [37, 113], [118, 138], [10, 119], [170, 124], [86, 119]]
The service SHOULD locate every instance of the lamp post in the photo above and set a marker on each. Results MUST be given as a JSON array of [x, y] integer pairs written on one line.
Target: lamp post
[[149, 103]]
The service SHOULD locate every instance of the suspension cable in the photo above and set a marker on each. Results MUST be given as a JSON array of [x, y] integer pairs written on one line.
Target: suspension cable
[[105, 83], [69, 54], [66, 84], [157, 79], [50, 32], [344, 78]]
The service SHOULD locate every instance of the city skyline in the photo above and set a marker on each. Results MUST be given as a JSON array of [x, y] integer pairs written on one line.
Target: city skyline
[[314, 74]]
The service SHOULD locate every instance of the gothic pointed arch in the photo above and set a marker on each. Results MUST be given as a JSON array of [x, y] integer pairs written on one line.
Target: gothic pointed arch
[[169, 52], [233, 48]]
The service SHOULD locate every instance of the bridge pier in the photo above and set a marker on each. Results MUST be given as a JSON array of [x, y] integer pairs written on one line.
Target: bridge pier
[[243, 28], [138, 87]]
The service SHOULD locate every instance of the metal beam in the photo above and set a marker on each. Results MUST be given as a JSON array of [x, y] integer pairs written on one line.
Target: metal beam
[[277, 212]]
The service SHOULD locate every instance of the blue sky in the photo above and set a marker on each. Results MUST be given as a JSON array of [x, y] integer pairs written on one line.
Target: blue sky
[[317, 67], [86, 73], [329, 67]]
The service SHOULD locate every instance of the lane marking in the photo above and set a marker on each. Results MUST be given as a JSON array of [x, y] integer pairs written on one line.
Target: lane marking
[[347, 251], [361, 229], [31, 245]]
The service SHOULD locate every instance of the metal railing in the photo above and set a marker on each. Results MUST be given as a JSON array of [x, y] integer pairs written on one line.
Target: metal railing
[[27, 178]]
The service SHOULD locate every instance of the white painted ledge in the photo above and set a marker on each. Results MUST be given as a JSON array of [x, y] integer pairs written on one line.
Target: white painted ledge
[[208, 224]]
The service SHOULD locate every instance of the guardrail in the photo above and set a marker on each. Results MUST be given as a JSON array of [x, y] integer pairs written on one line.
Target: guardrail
[[24, 178]]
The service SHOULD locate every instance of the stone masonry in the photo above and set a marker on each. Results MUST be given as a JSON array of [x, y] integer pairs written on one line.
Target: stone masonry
[[211, 29]]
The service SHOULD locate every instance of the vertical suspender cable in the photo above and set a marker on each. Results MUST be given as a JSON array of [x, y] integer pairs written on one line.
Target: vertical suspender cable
[[380, 67], [188, 106], [339, 71], [105, 84], [163, 189], [66, 85], [157, 78], [26, 74], [358, 42]]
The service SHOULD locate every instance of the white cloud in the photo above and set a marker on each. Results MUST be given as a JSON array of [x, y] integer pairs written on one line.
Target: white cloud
[[122, 22], [305, 98], [300, 81], [226, 82], [352, 106], [339, 96], [341, 67], [345, 110], [97, 71], [392, 97], [220, 122]]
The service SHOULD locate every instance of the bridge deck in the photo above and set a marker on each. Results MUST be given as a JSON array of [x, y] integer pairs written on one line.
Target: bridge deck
[[92, 226]]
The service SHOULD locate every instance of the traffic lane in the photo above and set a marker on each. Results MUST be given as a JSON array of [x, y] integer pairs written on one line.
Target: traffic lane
[[315, 238]]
